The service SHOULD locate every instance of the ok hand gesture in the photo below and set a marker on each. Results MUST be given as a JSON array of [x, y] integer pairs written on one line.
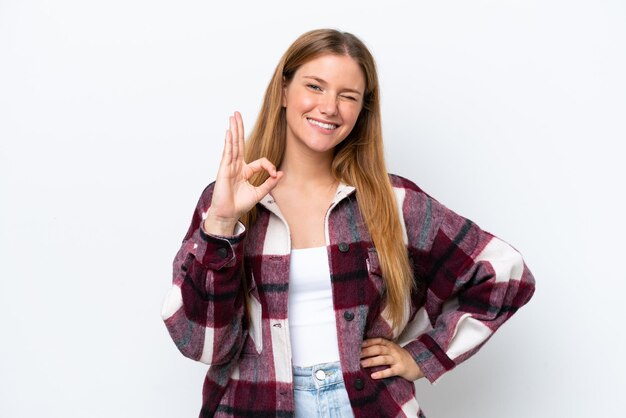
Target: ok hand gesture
[[233, 195]]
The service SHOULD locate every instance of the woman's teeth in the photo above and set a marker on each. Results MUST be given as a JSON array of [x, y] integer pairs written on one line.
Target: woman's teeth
[[321, 124]]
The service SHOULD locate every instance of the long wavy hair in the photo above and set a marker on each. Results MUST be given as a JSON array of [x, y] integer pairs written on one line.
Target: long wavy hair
[[358, 159]]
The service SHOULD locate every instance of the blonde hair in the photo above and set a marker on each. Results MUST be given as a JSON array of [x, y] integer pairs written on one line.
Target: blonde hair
[[358, 159]]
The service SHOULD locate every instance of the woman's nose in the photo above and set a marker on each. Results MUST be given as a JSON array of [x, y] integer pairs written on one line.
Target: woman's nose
[[328, 104]]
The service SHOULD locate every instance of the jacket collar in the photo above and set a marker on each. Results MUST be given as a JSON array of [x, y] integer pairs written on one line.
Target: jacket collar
[[343, 191]]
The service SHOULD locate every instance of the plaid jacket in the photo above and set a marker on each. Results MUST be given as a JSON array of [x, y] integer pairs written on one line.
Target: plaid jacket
[[468, 284]]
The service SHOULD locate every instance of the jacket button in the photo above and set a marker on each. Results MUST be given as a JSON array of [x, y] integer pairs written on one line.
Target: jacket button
[[348, 316], [222, 252], [359, 384], [343, 247]]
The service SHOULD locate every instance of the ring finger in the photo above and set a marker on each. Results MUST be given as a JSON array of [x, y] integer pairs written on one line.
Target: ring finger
[[234, 136]]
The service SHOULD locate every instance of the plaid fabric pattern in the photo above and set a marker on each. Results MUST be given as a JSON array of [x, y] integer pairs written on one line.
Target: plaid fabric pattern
[[468, 284]]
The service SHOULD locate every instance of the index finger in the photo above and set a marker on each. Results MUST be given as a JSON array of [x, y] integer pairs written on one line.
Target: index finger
[[374, 341]]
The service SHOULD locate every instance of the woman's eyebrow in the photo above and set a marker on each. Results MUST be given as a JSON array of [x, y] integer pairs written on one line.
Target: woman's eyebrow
[[322, 81]]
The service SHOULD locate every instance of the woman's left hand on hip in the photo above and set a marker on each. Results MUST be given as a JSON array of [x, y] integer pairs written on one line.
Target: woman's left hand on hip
[[383, 352]]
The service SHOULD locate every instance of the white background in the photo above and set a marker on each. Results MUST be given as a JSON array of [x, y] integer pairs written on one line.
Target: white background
[[112, 116]]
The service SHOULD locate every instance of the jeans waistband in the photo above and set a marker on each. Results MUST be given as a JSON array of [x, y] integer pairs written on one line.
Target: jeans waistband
[[317, 376]]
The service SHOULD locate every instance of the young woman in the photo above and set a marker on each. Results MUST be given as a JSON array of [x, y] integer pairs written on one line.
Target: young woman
[[313, 282]]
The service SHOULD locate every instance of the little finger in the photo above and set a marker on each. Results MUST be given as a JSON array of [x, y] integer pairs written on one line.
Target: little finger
[[227, 155], [228, 148]]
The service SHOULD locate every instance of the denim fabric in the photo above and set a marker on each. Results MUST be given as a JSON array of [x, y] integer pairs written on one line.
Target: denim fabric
[[326, 397]]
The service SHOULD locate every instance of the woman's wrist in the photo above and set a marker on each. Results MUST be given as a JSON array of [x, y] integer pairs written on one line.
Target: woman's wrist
[[216, 225]]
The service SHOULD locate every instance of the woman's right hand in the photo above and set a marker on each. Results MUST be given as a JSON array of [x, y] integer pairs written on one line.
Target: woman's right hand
[[233, 195]]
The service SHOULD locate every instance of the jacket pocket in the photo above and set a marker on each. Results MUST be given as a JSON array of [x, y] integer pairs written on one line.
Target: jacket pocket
[[374, 272], [381, 325]]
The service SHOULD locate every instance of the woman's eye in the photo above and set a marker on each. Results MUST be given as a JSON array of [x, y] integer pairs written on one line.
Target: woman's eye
[[314, 87], [350, 98]]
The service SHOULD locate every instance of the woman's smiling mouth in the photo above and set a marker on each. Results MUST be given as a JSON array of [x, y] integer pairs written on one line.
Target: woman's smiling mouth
[[329, 126]]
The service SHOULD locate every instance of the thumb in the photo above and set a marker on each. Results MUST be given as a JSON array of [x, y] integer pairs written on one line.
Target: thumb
[[269, 184]]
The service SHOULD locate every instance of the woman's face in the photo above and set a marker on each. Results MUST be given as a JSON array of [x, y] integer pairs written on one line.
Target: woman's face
[[322, 102]]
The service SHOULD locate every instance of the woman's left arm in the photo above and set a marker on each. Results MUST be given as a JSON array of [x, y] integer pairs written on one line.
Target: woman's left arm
[[471, 281], [474, 283]]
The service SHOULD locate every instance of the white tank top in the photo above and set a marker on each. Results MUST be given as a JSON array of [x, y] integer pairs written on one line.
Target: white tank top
[[311, 314]]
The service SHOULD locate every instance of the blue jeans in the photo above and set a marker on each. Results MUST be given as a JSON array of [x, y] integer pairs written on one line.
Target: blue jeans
[[319, 391]]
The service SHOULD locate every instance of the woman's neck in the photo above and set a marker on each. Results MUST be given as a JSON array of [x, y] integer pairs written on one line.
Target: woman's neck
[[307, 169]]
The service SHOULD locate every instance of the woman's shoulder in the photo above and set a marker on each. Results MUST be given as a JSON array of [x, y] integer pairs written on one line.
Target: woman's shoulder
[[409, 189], [418, 207], [404, 183], [424, 216]]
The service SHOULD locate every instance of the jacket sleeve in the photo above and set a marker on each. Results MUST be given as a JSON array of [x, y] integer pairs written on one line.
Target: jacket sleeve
[[204, 308], [469, 283]]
